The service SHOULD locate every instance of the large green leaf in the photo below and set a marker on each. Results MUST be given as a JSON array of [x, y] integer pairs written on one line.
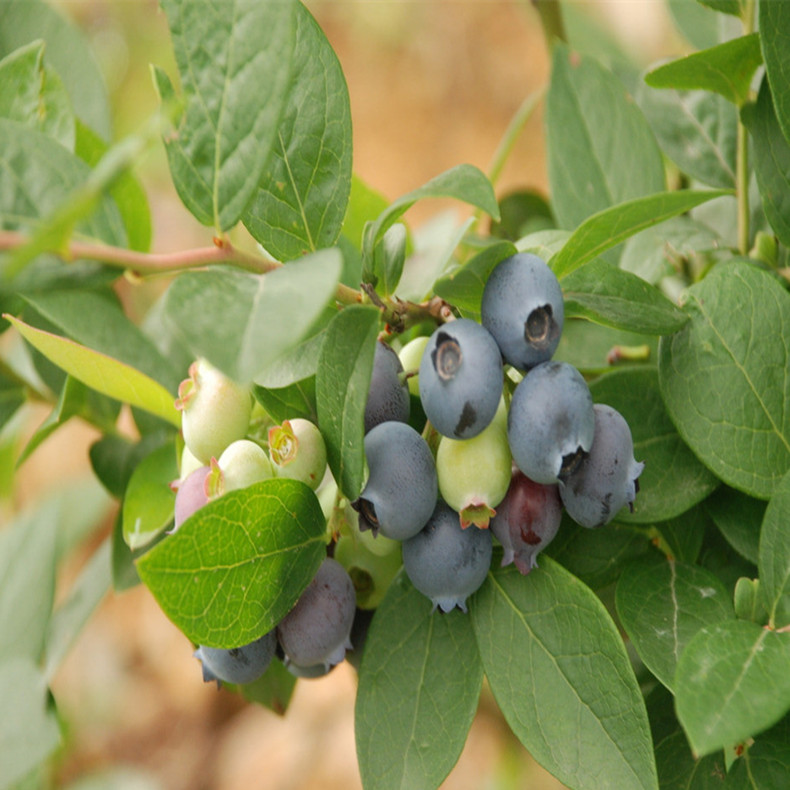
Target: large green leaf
[[609, 295], [662, 604], [696, 130], [235, 568], [559, 671], [243, 322], [342, 383], [227, 53], [771, 161], [419, 684], [739, 518], [673, 479], [726, 69], [102, 373], [600, 149], [775, 39], [678, 770], [724, 377], [33, 94], [764, 765], [774, 557], [302, 197], [609, 227], [67, 50], [731, 683]]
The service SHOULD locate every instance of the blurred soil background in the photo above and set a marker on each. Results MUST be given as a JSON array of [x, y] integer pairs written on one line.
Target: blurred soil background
[[433, 83]]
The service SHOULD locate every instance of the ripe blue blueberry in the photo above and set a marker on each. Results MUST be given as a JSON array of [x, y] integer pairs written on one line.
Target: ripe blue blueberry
[[401, 490], [239, 664], [550, 424], [445, 562], [526, 521], [523, 309], [316, 630], [607, 479], [388, 394], [461, 379]]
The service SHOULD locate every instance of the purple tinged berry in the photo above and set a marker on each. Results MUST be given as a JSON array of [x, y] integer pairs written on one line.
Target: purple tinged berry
[[316, 630], [550, 424], [526, 521], [191, 495], [238, 664], [388, 394], [522, 307], [446, 563], [460, 379], [608, 478]]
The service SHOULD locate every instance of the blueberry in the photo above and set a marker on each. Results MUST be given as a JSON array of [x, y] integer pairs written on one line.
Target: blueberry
[[371, 573], [241, 464], [460, 379], [401, 490], [474, 474], [550, 424], [523, 309], [607, 479], [191, 494], [526, 521], [239, 664], [388, 394], [316, 630], [446, 563], [297, 451]]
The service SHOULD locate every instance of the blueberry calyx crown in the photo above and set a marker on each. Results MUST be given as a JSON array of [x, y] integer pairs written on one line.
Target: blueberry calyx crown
[[540, 328], [447, 357]]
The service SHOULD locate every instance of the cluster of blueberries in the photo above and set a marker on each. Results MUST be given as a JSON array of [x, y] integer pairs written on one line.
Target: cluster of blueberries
[[512, 467]]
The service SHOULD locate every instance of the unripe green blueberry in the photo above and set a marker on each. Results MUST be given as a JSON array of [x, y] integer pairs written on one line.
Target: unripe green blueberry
[[297, 451], [242, 464], [215, 411], [188, 463], [371, 573], [410, 356], [474, 474]]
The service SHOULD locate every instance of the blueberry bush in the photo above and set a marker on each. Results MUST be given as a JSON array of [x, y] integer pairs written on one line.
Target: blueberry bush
[[646, 646]]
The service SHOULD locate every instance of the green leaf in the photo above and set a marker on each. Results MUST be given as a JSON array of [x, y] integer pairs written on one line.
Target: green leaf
[[678, 770], [774, 557], [98, 321], [571, 696], [733, 7], [149, 501], [684, 534], [302, 197], [748, 602], [364, 205], [662, 604], [234, 60], [702, 27], [764, 765], [33, 94], [102, 373], [67, 50], [463, 182], [771, 161], [27, 579], [71, 615], [260, 546], [298, 363], [731, 683], [286, 403], [608, 295], [609, 227], [238, 321], [697, 130], [12, 396], [726, 69], [29, 729], [273, 689], [774, 21], [544, 243], [126, 190], [463, 287], [673, 479], [600, 149], [389, 256], [419, 685], [739, 518], [725, 384], [342, 383]]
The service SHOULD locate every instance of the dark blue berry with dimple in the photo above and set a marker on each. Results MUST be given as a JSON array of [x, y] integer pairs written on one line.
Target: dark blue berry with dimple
[[551, 422], [445, 562], [239, 664], [402, 486], [522, 307], [461, 379], [388, 394]]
